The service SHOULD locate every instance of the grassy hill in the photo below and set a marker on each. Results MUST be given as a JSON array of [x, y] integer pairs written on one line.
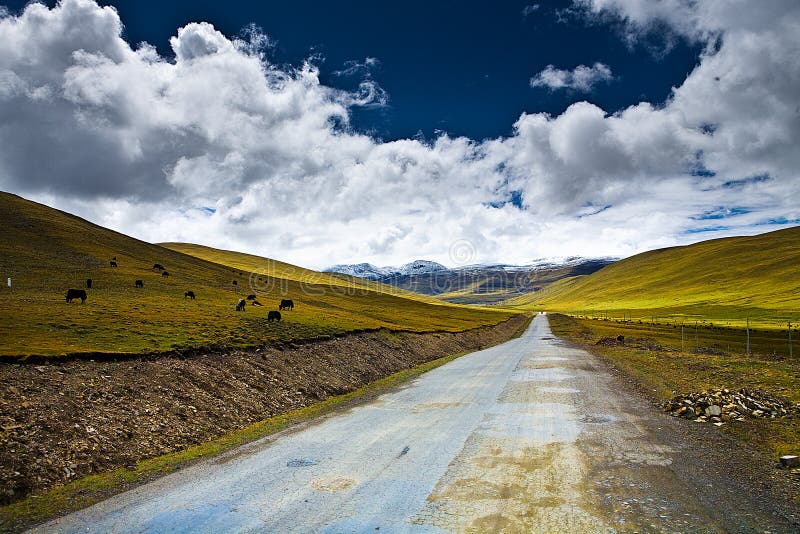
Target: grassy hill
[[45, 251], [721, 280], [286, 271], [495, 285]]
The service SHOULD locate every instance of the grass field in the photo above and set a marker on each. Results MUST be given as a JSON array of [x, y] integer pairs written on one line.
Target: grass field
[[723, 281], [652, 355], [45, 252], [279, 271]]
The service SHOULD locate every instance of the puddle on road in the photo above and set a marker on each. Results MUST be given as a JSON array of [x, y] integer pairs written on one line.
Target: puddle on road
[[301, 462]]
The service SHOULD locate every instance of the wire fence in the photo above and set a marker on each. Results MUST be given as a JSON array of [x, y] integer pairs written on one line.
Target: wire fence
[[776, 338]]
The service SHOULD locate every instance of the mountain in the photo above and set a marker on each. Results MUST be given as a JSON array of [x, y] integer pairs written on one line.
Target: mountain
[[361, 270], [475, 284], [726, 280], [371, 272], [46, 251]]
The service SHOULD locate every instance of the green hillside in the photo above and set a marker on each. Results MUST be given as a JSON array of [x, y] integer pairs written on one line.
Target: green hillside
[[286, 271], [46, 251], [722, 280]]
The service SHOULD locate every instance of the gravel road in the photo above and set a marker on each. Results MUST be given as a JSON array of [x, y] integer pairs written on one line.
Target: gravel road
[[527, 436]]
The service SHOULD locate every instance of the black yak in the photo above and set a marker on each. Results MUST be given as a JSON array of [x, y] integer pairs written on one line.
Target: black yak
[[139, 283], [189, 294], [274, 315], [76, 294], [286, 304], [240, 305]]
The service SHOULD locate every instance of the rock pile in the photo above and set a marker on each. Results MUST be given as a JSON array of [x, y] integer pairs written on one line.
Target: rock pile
[[720, 406]]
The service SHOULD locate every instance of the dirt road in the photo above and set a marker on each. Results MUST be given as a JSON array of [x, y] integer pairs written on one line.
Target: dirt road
[[528, 436]]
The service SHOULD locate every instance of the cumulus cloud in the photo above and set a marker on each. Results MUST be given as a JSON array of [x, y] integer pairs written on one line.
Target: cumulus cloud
[[581, 78], [217, 145]]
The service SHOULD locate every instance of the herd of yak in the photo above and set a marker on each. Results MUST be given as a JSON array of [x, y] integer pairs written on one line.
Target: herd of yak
[[272, 315]]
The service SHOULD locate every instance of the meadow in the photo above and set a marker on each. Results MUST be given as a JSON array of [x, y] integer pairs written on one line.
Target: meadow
[[46, 251], [724, 282]]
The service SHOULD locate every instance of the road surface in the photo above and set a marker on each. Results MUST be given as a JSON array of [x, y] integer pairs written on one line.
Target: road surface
[[528, 436]]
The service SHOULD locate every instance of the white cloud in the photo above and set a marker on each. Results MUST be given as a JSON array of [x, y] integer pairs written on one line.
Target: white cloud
[[581, 78], [530, 9], [220, 146]]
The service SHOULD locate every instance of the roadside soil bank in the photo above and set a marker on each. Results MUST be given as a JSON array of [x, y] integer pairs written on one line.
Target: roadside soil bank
[[62, 421]]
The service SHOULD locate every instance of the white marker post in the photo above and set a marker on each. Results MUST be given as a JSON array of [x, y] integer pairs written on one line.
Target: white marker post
[[9, 282]]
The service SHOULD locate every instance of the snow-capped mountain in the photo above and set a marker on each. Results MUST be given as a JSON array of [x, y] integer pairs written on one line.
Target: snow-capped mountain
[[421, 267], [475, 283], [371, 272], [362, 270]]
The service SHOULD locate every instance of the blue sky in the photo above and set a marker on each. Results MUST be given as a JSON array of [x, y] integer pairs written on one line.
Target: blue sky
[[336, 132]]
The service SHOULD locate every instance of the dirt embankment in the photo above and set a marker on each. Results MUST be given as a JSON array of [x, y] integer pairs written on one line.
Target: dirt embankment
[[67, 420]]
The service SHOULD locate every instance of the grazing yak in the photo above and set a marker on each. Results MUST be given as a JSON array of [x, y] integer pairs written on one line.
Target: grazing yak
[[241, 305], [256, 303], [139, 283], [165, 273], [251, 297], [76, 294], [158, 267], [286, 304], [189, 294], [235, 283], [274, 315], [112, 263], [88, 283]]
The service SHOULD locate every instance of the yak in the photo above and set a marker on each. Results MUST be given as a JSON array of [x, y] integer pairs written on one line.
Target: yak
[[76, 294], [189, 294], [286, 304], [251, 297], [165, 273], [139, 283], [241, 305], [112, 263], [274, 315]]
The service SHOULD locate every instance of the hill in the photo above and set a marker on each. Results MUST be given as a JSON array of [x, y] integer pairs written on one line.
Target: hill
[[473, 284], [724, 280], [45, 251], [286, 271]]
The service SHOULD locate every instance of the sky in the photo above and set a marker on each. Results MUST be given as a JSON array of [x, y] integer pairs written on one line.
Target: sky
[[460, 132]]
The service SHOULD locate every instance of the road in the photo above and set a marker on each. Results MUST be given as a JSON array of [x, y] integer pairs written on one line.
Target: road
[[527, 436]]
